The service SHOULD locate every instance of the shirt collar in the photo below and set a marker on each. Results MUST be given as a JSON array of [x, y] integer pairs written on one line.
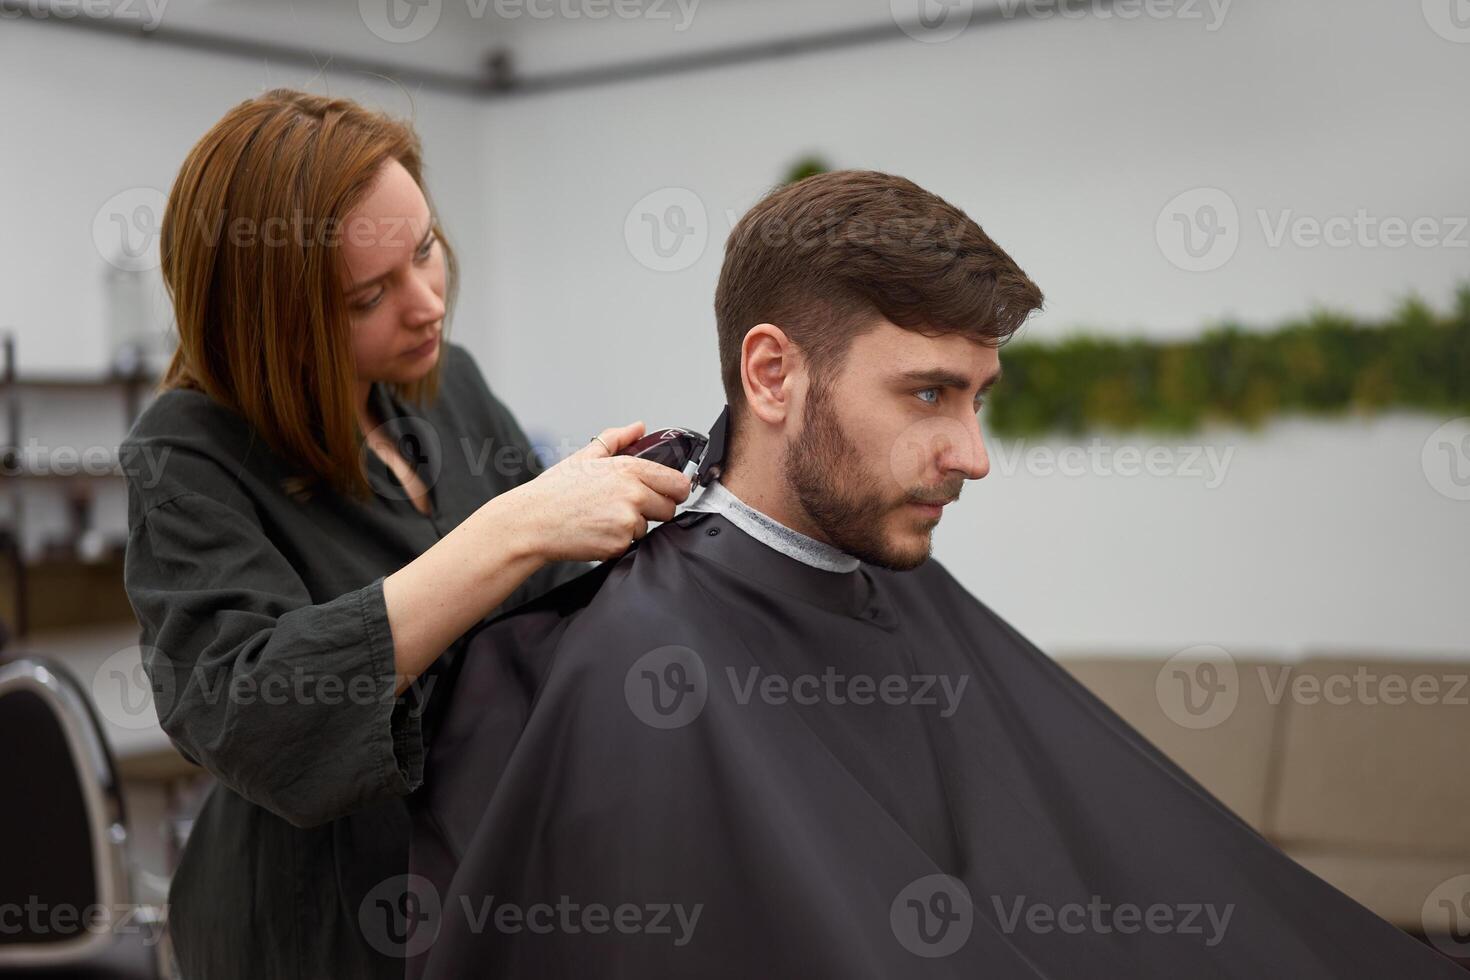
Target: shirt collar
[[417, 440], [771, 532]]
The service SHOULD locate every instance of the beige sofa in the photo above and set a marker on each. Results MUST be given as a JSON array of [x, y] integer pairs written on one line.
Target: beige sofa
[[1358, 768]]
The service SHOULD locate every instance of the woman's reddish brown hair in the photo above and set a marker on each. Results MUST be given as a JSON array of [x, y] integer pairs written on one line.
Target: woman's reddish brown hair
[[251, 247]]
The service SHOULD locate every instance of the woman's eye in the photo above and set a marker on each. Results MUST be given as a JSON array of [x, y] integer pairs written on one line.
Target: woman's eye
[[925, 391], [427, 249], [373, 303]]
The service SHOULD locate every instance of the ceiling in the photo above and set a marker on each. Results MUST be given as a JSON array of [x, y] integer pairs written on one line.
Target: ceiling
[[503, 47]]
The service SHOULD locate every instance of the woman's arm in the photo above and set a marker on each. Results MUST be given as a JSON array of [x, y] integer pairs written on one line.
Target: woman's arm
[[291, 703], [586, 507], [457, 582], [287, 702]]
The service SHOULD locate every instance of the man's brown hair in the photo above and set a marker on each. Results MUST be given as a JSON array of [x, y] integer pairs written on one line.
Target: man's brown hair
[[826, 257], [251, 253]]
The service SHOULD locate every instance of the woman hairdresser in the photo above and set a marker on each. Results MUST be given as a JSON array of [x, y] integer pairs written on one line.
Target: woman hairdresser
[[323, 499]]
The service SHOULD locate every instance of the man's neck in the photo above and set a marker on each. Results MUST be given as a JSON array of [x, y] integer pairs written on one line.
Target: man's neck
[[772, 531], [765, 492]]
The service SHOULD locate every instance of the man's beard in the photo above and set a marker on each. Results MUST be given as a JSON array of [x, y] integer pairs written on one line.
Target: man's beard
[[824, 471]]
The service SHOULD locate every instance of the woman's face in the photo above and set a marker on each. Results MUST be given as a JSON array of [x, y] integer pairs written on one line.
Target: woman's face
[[394, 281]]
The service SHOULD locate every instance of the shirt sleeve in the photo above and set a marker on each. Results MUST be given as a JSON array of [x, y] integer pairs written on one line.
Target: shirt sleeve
[[289, 703]]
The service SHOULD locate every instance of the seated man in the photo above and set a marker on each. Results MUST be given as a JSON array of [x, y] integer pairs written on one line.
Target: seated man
[[777, 739]]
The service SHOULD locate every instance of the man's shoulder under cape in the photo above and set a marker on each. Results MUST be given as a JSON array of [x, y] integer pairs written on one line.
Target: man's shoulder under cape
[[706, 759]]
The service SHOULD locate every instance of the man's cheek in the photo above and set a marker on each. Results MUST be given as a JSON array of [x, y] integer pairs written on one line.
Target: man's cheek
[[909, 457]]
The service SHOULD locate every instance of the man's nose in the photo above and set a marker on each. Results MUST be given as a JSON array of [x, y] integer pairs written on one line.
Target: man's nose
[[966, 453]]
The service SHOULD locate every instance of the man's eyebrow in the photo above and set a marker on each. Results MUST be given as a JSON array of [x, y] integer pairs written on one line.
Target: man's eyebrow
[[377, 279], [942, 378]]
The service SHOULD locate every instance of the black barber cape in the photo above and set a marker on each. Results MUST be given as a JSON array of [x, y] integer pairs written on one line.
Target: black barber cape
[[707, 760]]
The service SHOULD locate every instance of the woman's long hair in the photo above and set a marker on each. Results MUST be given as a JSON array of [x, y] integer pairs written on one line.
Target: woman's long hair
[[251, 253]]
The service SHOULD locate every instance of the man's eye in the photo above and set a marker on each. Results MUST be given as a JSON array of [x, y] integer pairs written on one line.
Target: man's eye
[[925, 391]]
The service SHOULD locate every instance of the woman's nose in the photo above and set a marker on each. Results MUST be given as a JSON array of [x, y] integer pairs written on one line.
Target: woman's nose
[[425, 305]]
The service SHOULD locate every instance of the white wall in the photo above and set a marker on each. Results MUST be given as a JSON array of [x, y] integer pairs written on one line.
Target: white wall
[[1065, 138], [89, 117]]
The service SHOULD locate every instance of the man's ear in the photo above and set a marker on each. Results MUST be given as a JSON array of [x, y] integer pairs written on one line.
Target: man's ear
[[771, 373]]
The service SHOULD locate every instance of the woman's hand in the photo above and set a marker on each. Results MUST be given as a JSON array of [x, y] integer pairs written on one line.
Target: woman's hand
[[591, 505], [587, 507]]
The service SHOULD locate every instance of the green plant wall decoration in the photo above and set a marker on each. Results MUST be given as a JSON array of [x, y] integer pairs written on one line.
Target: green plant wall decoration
[[1325, 364]]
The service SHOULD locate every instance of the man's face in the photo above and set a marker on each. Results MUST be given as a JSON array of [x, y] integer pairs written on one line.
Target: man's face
[[888, 439]]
